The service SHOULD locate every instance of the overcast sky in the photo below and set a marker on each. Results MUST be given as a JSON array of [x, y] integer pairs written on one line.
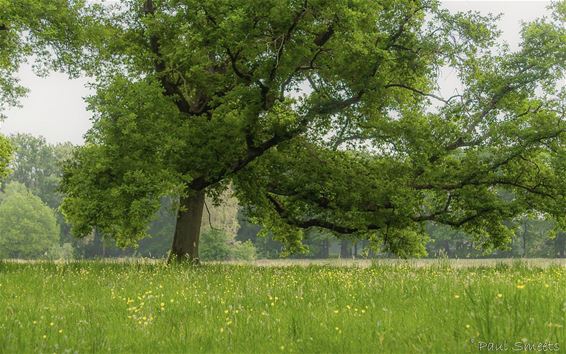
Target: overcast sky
[[55, 108]]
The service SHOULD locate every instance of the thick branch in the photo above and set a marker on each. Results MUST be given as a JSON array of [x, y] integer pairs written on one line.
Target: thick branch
[[325, 36], [335, 106], [171, 89], [247, 78], [306, 224], [253, 152], [325, 203], [455, 223], [401, 28]]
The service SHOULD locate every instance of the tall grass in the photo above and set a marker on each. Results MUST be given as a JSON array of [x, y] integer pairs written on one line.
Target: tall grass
[[90, 307]]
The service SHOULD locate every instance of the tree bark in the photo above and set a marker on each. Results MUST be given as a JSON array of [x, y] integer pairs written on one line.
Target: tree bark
[[525, 230], [325, 248], [371, 250], [560, 245], [447, 248], [187, 229], [345, 249]]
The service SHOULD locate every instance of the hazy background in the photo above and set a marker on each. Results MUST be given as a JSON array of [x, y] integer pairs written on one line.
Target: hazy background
[[55, 108]]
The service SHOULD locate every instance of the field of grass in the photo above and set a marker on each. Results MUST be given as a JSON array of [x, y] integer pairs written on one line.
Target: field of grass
[[90, 307]]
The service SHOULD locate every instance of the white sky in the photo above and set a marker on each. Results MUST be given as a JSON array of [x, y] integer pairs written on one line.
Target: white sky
[[55, 109]]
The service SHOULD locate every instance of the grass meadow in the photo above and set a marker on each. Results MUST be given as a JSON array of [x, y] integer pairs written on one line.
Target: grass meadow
[[94, 307]]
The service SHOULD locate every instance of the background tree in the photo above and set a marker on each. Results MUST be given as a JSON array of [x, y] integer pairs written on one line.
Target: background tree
[[318, 243], [217, 245], [28, 227], [265, 245], [193, 96], [446, 241], [36, 165], [534, 238], [43, 30], [560, 245]]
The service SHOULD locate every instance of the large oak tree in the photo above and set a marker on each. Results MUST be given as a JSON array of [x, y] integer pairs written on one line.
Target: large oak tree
[[322, 114]]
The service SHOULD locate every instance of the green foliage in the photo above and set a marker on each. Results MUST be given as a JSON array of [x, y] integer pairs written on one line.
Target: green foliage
[[38, 165], [6, 151], [124, 197], [65, 252], [28, 227], [216, 245], [244, 251], [266, 247], [446, 241], [161, 230], [48, 30], [534, 238], [320, 115]]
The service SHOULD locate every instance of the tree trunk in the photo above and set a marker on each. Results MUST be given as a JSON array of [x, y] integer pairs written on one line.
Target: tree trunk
[[96, 248], [345, 249], [525, 230], [560, 245], [447, 248], [187, 229], [325, 248]]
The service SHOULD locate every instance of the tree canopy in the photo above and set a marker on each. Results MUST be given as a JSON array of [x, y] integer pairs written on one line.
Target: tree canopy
[[48, 31], [28, 227], [321, 115], [38, 165]]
